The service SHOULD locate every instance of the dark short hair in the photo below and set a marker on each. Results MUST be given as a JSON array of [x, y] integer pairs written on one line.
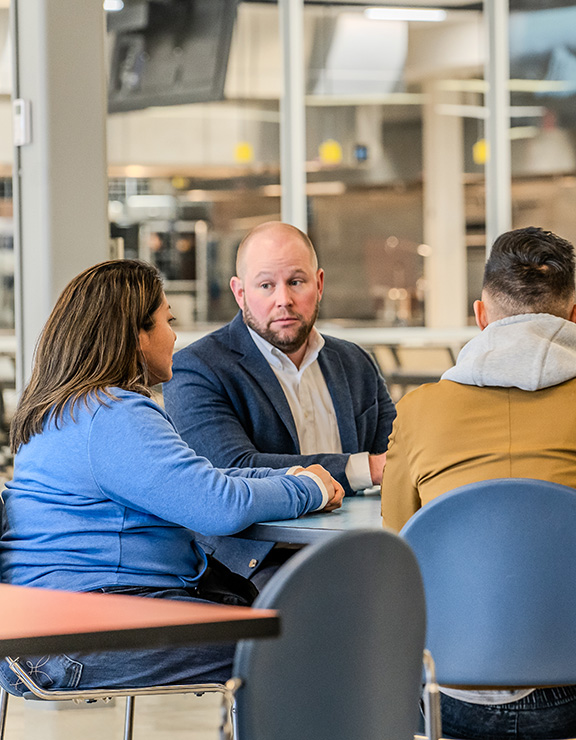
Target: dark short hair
[[530, 271], [90, 343]]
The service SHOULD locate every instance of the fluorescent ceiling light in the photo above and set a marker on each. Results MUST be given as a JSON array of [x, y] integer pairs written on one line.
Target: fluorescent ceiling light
[[405, 14], [113, 6]]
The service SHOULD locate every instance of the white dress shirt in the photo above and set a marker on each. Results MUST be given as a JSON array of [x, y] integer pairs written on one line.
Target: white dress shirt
[[311, 405]]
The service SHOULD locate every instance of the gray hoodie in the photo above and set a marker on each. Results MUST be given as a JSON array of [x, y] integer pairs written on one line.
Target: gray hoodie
[[529, 351]]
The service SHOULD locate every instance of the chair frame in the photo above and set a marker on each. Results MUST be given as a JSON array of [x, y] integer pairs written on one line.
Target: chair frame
[[350, 649], [227, 729], [431, 699]]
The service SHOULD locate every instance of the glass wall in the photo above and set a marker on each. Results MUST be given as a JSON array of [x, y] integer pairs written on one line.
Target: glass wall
[[219, 162], [395, 157]]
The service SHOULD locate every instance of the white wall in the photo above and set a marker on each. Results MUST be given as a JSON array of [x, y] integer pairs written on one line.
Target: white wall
[[6, 151]]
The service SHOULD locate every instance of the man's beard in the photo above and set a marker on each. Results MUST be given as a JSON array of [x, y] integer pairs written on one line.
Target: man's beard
[[288, 344]]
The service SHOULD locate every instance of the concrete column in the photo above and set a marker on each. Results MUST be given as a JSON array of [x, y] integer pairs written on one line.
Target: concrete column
[[498, 167], [293, 115], [60, 183], [444, 219]]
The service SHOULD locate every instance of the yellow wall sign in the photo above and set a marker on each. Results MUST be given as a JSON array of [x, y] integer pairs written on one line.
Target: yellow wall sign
[[480, 152], [243, 152], [330, 152]]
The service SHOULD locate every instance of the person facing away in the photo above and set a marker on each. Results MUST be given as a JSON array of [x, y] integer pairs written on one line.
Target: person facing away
[[105, 494], [269, 389], [505, 410]]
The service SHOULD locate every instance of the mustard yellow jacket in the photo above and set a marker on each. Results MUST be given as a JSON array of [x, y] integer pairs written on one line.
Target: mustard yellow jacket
[[448, 434]]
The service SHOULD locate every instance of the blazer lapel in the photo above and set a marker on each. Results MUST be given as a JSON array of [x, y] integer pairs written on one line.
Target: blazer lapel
[[337, 382], [257, 366]]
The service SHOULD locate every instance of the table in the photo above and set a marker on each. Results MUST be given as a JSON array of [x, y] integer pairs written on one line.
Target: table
[[38, 621], [357, 512]]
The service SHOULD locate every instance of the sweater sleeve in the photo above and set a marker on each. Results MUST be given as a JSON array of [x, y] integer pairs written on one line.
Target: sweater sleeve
[[138, 459]]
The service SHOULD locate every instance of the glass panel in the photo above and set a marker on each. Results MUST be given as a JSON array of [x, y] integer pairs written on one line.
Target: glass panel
[[543, 93], [219, 163]]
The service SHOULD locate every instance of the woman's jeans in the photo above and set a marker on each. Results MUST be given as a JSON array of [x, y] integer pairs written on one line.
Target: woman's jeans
[[545, 713], [128, 668]]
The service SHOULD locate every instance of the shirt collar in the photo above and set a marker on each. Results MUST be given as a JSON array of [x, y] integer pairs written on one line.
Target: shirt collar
[[279, 360]]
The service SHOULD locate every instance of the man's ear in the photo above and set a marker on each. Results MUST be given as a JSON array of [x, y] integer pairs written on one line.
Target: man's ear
[[320, 282], [572, 316], [480, 314], [237, 287]]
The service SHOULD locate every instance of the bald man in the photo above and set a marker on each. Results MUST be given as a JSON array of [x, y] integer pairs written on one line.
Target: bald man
[[269, 390]]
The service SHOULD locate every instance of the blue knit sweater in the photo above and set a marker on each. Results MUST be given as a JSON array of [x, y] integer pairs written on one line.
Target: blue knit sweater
[[110, 496]]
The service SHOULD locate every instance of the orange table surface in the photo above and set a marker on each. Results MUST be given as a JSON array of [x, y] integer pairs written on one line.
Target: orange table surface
[[35, 620]]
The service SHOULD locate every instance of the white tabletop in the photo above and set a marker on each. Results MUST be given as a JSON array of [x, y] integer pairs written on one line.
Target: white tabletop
[[357, 512]]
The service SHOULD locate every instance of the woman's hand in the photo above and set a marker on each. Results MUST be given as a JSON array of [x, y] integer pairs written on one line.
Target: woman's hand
[[334, 489]]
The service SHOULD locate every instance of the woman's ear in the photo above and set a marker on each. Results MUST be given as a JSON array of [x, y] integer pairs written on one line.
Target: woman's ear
[[144, 339]]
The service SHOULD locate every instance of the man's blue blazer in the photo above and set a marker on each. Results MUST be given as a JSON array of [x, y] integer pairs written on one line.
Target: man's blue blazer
[[228, 405]]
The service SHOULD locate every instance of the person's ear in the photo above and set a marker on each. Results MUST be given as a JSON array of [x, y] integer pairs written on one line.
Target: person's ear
[[237, 287], [143, 340], [320, 282], [572, 316], [480, 314]]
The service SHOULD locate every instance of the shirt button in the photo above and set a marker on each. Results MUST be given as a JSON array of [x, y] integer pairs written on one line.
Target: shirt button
[[253, 563]]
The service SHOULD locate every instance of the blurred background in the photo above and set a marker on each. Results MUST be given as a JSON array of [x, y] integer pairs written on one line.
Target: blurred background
[[194, 146]]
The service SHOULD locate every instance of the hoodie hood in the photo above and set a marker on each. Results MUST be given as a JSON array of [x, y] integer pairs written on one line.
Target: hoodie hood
[[528, 351]]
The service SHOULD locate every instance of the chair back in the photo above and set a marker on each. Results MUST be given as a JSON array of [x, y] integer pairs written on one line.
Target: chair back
[[348, 663], [498, 560]]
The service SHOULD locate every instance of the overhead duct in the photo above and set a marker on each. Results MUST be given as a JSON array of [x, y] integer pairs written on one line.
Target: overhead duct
[[353, 55]]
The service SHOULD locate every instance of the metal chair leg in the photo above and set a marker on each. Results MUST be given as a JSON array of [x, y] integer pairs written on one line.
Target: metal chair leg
[[3, 711], [128, 718], [431, 700], [228, 725], [107, 694]]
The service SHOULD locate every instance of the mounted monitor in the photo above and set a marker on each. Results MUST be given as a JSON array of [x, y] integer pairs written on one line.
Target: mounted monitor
[[169, 52], [543, 51]]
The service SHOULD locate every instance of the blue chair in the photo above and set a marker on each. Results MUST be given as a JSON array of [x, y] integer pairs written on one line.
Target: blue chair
[[348, 663], [498, 560]]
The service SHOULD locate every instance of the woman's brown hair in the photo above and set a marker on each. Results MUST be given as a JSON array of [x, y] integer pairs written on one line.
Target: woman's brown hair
[[90, 343]]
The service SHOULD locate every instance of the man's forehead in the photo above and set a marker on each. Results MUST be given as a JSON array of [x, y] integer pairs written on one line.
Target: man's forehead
[[271, 252], [286, 270]]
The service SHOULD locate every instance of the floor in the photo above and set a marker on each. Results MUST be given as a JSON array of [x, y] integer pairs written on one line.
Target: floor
[[156, 718]]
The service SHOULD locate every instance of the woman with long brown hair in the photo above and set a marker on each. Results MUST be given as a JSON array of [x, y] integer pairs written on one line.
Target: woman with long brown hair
[[106, 495]]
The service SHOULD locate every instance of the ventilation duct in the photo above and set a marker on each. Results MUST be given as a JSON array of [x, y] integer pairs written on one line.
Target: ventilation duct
[[353, 55]]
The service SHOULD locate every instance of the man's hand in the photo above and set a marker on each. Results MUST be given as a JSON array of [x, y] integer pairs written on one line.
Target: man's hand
[[334, 489], [377, 464]]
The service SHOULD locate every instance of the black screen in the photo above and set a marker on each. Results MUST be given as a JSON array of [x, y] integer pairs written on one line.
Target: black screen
[[170, 52]]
